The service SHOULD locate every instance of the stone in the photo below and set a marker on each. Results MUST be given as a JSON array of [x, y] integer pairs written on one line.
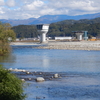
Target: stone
[[52, 77], [23, 70], [40, 73], [29, 79], [56, 75], [23, 80], [10, 69], [40, 79], [27, 72]]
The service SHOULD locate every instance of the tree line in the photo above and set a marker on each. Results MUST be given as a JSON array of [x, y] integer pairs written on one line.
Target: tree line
[[25, 31], [63, 28], [67, 30]]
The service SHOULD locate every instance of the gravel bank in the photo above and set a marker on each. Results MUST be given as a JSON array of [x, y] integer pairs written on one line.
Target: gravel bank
[[86, 45], [83, 45]]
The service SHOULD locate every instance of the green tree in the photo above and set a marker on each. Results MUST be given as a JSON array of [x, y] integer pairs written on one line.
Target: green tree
[[10, 86], [5, 33]]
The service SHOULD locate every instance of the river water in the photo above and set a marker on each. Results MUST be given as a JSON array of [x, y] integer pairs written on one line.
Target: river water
[[81, 69]]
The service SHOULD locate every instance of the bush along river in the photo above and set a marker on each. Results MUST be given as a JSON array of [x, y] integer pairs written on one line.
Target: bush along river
[[64, 74]]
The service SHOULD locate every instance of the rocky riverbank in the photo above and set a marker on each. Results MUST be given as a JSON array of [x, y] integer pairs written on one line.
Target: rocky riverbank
[[34, 76], [79, 45], [89, 45]]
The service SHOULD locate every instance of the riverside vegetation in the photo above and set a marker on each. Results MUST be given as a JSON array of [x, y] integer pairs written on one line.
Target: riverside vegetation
[[11, 87], [6, 35]]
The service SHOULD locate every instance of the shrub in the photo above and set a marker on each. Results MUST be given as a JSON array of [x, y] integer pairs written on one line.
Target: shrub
[[11, 87]]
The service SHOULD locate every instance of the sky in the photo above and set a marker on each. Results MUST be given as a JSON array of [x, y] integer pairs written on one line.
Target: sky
[[24, 9]]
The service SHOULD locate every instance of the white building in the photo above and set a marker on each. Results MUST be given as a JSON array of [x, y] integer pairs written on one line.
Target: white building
[[63, 38], [43, 29]]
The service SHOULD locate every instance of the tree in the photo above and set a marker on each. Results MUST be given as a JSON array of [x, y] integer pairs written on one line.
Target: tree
[[10, 86], [6, 33]]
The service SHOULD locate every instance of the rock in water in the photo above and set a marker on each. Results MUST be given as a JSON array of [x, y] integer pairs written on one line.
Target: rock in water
[[56, 75], [27, 72], [23, 80], [40, 79]]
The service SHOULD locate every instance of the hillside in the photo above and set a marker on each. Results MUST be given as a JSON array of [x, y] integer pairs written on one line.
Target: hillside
[[62, 28], [86, 21]]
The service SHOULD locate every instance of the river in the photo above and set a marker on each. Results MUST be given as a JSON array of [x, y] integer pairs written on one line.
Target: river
[[80, 67]]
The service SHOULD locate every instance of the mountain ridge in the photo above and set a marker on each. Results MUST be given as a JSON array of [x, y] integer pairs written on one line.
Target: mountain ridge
[[48, 19]]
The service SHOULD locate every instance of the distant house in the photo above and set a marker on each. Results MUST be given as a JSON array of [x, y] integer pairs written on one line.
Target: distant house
[[63, 38]]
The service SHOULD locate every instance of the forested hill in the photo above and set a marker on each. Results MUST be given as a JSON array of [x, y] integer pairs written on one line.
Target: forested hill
[[25, 31], [62, 28], [87, 21]]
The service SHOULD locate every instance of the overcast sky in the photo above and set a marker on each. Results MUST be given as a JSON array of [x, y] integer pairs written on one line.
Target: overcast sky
[[23, 9]]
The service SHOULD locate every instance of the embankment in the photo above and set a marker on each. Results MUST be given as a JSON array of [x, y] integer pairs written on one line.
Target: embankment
[[86, 45], [83, 45]]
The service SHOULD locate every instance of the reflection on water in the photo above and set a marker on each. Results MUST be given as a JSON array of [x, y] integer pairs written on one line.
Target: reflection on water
[[7, 60], [54, 60], [82, 68]]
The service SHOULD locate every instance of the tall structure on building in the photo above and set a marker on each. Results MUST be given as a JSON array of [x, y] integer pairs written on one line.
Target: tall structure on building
[[43, 29], [80, 34]]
